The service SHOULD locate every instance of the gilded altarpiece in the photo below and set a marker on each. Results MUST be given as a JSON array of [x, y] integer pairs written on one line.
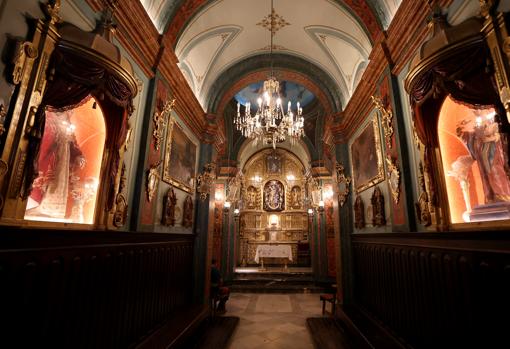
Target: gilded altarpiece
[[273, 205]]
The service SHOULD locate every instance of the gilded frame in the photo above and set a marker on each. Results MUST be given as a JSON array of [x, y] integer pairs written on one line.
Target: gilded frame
[[360, 153], [169, 162]]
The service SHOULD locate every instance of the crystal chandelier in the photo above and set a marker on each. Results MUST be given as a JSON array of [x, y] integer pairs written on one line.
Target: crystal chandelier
[[270, 123]]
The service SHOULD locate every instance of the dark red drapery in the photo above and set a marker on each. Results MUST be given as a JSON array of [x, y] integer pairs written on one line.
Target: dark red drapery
[[72, 80]]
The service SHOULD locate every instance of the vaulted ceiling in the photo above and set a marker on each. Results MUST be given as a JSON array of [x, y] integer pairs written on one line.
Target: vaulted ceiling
[[321, 46], [211, 37]]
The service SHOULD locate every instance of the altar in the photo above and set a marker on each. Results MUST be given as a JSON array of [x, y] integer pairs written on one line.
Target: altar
[[273, 251]]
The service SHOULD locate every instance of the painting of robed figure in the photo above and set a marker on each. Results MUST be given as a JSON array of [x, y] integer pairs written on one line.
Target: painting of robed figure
[[367, 165], [180, 158]]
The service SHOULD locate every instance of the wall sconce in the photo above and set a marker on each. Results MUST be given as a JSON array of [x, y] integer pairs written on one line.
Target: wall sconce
[[321, 206], [310, 211], [291, 178], [226, 206], [205, 181], [218, 196], [236, 212]]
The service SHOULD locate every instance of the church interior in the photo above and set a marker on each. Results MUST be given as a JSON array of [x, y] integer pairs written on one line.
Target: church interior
[[338, 170]]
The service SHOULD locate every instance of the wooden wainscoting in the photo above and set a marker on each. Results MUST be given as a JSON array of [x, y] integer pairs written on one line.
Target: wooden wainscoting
[[436, 290], [69, 289]]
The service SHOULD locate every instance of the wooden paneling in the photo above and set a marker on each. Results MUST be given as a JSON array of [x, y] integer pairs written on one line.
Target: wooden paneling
[[90, 289], [436, 290]]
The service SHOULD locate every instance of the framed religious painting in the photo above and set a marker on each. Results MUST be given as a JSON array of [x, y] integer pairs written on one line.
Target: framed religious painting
[[180, 158], [366, 157], [274, 164], [274, 196]]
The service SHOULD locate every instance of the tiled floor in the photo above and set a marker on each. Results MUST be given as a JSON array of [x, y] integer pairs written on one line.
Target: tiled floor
[[271, 321]]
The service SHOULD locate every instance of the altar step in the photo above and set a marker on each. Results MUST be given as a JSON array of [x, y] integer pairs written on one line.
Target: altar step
[[276, 282]]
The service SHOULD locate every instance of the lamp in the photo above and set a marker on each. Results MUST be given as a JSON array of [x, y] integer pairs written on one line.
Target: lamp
[[236, 212], [270, 122], [310, 211]]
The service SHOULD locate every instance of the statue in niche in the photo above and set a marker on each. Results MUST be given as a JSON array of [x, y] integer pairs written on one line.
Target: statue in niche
[[359, 213], [187, 217], [273, 196], [251, 197], [169, 203], [378, 216], [295, 197], [485, 146], [60, 165]]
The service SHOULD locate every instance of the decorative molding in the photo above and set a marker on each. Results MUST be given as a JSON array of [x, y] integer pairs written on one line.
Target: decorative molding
[[52, 11], [343, 183], [386, 121], [153, 178], [422, 206], [25, 52], [393, 178], [273, 22], [3, 113], [121, 208], [255, 68], [160, 120], [205, 180]]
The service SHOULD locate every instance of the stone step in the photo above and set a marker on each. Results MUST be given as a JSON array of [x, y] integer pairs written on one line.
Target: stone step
[[277, 288]]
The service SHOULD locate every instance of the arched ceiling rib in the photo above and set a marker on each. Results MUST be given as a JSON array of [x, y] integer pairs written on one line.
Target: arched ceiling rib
[[287, 67]]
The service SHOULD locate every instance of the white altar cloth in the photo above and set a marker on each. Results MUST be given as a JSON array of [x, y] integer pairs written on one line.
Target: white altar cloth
[[273, 251]]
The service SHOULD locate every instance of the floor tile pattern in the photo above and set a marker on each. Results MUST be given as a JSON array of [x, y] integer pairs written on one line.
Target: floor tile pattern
[[272, 321]]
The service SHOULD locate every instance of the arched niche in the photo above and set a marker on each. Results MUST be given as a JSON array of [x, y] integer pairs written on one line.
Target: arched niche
[[453, 98], [249, 148], [69, 165], [75, 137]]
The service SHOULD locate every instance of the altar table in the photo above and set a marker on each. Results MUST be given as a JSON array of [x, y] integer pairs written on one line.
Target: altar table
[[273, 251]]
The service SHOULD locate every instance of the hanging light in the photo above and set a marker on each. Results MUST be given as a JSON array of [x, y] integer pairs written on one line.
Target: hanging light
[[270, 123]]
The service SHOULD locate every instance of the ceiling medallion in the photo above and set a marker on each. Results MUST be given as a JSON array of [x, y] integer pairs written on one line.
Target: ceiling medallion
[[270, 123], [273, 22]]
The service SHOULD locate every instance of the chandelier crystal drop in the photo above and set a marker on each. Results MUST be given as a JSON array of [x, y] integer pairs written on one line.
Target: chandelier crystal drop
[[270, 123]]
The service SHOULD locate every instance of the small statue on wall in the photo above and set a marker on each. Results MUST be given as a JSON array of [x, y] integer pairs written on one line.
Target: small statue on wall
[[187, 217], [169, 203], [377, 200], [251, 197], [359, 213], [295, 197]]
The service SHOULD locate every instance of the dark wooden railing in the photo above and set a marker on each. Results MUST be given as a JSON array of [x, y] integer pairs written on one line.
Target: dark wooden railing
[[69, 289], [436, 290]]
